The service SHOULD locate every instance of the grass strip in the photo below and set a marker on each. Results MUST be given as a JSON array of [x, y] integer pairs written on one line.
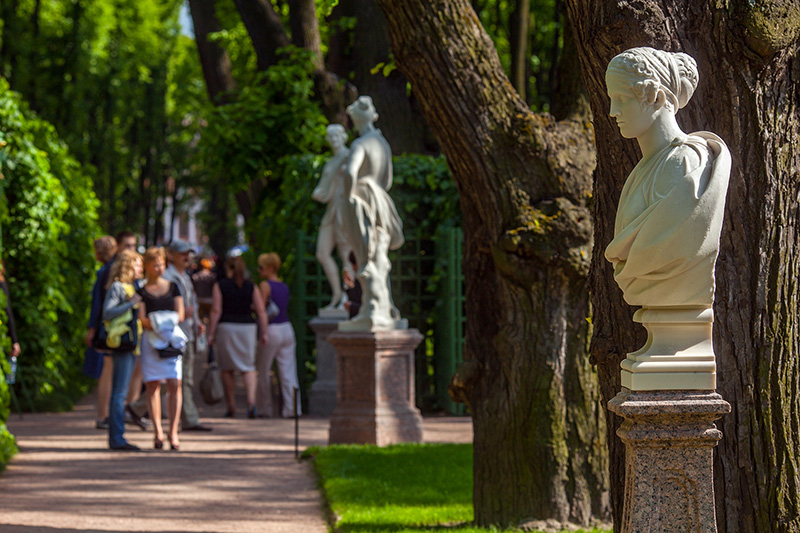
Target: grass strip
[[404, 488]]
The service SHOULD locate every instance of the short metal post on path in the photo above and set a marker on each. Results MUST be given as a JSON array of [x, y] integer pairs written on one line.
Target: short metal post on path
[[296, 425]]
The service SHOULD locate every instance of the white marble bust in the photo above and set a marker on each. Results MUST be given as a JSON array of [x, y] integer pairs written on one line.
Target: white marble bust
[[668, 224], [666, 235], [370, 220], [331, 191]]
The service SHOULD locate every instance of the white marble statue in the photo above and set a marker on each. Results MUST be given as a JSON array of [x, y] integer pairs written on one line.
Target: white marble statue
[[331, 191], [370, 220], [667, 230]]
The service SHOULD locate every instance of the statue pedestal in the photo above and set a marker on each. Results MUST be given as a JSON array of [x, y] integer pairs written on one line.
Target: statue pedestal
[[375, 402], [678, 354], [669, 438], [322, 393]]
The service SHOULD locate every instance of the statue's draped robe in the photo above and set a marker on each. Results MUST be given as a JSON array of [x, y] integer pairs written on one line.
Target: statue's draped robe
[[371, 208], [666, 236]]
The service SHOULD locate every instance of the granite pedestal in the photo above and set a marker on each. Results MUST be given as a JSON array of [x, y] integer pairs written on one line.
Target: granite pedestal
[[322, 393], [375, 402], [669, 439]]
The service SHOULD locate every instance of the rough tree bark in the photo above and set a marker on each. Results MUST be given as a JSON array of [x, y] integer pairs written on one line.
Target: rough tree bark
[[749, 94], [524, 182]]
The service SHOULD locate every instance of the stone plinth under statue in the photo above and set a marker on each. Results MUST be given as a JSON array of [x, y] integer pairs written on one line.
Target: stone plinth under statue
[[375, 401], [669, 440], [678, 354], [322, 393]]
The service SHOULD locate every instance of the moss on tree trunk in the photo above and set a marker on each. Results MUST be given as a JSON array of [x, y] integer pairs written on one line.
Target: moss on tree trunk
[[524, 182]]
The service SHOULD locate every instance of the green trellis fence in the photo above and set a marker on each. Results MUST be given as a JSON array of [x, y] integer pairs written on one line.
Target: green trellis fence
[[427, 287]]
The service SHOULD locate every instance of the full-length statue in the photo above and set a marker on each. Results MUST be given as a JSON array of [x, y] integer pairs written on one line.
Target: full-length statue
[[331, 191], [667, 230], [369, 219]]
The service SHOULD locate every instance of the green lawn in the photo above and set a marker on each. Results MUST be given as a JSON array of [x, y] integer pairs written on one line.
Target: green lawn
[[407, 488]]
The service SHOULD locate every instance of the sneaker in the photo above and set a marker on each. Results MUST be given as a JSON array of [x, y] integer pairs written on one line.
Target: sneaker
[[252, 412], [101, 424]]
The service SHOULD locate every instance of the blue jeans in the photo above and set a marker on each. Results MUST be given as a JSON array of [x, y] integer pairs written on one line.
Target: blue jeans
[[123, 369]]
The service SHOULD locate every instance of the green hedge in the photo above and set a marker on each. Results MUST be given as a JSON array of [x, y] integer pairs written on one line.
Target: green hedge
[[48, 220]]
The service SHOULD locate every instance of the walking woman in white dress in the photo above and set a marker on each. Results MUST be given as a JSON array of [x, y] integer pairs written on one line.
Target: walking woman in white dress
[[157, 295]]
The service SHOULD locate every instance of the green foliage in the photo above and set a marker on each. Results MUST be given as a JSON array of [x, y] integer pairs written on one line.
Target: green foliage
[[405, 488], [425, 194], [98, 71], [546, 26], [251, 138], [286, 207], [47, 231]]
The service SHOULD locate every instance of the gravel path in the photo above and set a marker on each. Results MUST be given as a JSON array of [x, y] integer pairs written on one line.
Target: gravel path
[[241, 477]]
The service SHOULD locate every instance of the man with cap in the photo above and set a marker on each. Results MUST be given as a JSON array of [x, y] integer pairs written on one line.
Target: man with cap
[[178, 253]]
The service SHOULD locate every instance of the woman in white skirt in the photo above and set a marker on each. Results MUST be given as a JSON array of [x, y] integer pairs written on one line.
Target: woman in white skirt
[[157, 295], [282, 344], [233, 331]]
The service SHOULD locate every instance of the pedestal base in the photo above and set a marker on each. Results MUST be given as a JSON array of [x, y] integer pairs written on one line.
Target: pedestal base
[[322, 393], [375, 402], [678, 354], [669, 438]]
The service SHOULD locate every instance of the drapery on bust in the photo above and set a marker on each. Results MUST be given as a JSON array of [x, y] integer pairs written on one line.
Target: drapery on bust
[[669, 219]]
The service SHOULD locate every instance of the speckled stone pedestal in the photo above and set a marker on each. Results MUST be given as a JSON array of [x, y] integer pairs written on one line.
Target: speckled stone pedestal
[[375, 402], [669, 438], [322, 393]]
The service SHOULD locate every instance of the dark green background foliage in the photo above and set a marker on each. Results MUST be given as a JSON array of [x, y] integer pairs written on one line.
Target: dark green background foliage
[[271, 119], [7, 444], [47, 230]]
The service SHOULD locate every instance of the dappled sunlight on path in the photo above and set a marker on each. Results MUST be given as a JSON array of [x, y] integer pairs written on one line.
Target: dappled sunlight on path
[[241, 477]]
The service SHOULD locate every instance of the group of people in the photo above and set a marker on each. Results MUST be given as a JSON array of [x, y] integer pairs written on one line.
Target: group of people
[[148, 314]]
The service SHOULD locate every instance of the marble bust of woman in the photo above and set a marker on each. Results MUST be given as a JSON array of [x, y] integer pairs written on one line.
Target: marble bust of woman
[[666, 235]]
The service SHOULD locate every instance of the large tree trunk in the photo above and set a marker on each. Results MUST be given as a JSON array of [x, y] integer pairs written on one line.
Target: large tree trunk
[[214, 59], [265, 29], [218, 74], [749, 94], [524, 181]]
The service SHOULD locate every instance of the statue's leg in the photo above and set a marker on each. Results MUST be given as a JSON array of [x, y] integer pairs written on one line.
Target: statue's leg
[[325, 246], [344, 251]]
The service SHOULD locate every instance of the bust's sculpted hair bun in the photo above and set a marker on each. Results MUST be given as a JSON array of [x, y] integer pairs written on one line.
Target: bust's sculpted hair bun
[[673, 72], [687, 67]]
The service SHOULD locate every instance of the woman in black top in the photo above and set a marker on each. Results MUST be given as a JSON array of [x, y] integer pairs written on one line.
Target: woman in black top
[[232, 326], [10, 325], [158, 294]]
